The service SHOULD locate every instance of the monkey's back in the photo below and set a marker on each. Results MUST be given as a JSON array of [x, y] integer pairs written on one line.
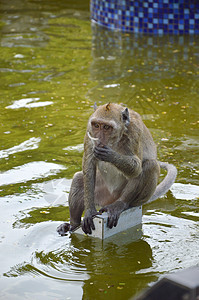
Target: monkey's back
[[147, 145]]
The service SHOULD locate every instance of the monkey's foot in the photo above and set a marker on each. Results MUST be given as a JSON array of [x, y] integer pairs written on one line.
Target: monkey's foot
[[114, 210], [66, 227], [63, 228]]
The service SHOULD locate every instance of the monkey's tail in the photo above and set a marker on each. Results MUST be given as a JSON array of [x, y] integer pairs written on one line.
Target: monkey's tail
[[166, 183]]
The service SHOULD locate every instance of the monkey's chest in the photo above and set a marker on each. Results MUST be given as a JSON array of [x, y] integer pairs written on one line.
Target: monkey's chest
[[113, 178]]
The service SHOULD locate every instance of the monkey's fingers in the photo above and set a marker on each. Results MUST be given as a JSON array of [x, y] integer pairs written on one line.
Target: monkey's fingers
[[99, 154], [102, 150], [103, 153], [88, 225], [102, 147], [86, 229], [112, 221], [112, 217], [92, 224], [103, 209]]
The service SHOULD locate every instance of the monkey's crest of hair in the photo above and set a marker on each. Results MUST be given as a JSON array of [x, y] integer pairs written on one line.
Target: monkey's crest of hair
[[108, 106], [112, 113]]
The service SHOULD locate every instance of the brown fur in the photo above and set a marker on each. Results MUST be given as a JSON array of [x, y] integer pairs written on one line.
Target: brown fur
[[120, 167]]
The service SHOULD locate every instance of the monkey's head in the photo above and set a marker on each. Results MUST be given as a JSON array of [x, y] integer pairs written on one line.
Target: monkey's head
[[107, 124]]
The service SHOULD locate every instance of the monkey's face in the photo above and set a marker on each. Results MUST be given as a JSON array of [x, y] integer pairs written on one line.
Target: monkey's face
[[105, 132], [107, 125], [102, 132]]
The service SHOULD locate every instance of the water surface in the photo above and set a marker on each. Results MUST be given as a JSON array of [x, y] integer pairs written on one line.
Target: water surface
[[54, 65]]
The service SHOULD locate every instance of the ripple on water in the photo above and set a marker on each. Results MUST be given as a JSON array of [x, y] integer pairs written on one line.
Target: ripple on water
[[173, 240], [30, 171], [49, 254]]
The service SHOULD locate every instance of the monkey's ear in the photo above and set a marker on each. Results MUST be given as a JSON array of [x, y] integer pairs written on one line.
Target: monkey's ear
[[95, 106], [125, 117]]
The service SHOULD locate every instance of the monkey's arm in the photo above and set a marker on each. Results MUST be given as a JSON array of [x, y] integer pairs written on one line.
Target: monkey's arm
[[129, 165], [89, 175]]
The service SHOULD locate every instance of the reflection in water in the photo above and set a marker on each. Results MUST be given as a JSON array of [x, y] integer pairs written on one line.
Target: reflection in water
[[156, 54], [31, 144], [137, 69], [108, 268], [110, 265], [23, 29], [101, 265], [185, 191], [28, 103]]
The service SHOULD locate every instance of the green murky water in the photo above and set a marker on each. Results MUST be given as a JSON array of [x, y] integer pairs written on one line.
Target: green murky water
[[53, 67]]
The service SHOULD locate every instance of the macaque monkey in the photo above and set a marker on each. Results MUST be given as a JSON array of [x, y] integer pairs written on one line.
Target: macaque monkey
[[120, 168]]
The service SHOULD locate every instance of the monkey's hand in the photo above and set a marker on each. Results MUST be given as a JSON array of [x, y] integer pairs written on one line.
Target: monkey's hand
[[87, 224], [114, 210], [104, 153]]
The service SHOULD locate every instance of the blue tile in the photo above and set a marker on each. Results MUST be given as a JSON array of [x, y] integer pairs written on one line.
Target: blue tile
[[127, 13], [168, 16], [186, 11], [175, 5]]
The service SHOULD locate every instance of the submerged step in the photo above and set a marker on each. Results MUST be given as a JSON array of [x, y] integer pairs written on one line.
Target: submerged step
[[128, 219]]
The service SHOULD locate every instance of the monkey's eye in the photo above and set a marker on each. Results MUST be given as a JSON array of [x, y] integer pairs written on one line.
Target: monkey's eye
[[107, 127], [96, 125]]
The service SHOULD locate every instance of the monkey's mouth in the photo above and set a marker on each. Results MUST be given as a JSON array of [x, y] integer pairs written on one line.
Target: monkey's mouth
[[96, 141]]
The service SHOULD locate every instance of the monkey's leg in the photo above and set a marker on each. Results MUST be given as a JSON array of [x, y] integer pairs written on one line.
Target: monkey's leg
[[136, 192], [143, 186], [76, 204]]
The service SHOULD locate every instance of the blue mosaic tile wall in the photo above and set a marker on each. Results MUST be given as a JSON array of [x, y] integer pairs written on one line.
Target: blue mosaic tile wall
[[147, 16]]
